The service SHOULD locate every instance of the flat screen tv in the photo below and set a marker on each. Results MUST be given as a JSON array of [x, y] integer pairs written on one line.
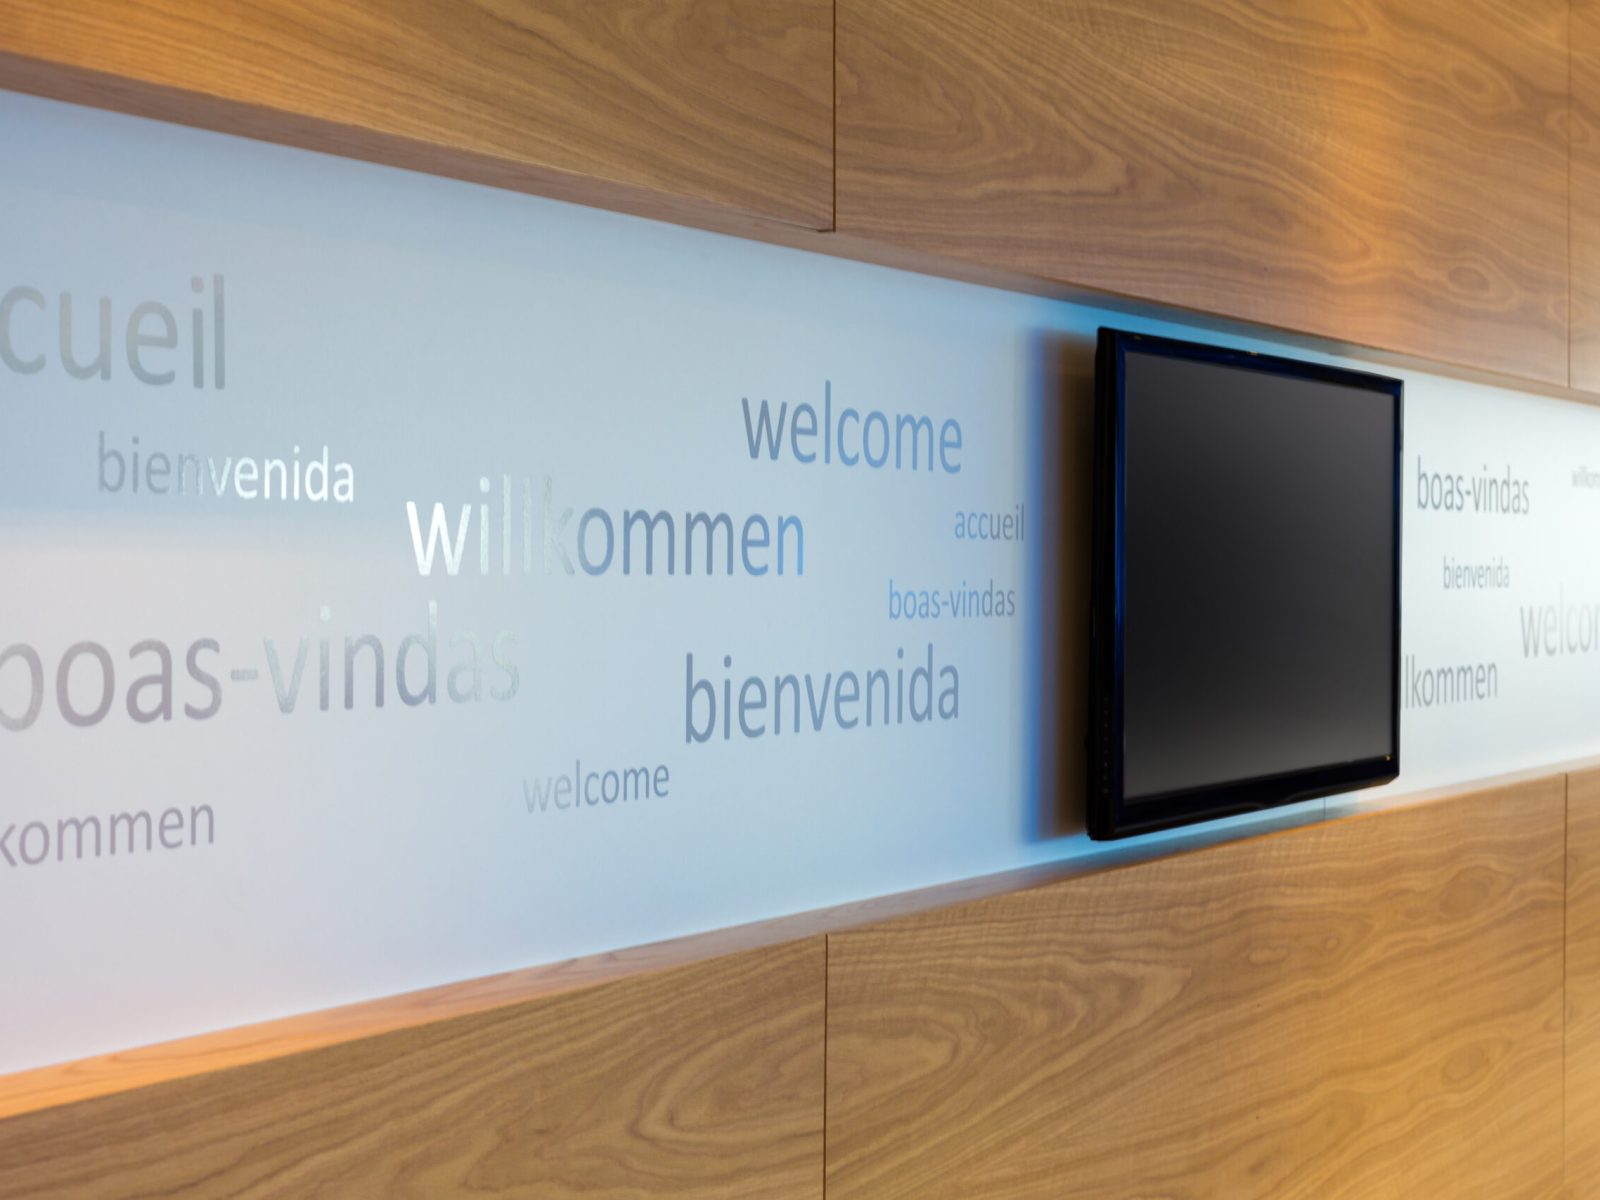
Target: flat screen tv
[[1245, 634]]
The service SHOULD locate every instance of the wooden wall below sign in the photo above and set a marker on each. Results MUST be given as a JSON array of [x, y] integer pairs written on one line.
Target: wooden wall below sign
[[1365, 1009], [1583, 986], [1369, 1009], [704, 1080]]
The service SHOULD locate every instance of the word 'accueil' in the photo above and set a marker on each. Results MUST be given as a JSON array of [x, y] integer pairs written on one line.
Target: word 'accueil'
[[149, 337]]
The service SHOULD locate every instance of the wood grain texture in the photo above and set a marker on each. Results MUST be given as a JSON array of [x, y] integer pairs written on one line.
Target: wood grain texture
[[701, 1081], [674, 108], [45, 1120], [1585, 146], [228, 1049], [1367, 1009], [1583, 985], [1390, 173]]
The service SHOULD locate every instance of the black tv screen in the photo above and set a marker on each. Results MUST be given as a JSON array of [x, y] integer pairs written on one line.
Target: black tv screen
[[1246, 583]]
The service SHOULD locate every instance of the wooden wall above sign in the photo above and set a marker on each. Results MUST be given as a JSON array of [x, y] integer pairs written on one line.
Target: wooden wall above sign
[[1389, 173], [683, 109], [1382, 173]]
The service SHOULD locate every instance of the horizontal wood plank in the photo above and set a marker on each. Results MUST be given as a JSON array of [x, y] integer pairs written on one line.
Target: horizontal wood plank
[[1583, 986], [673, 108], [1585, 195], [700, 1081], [1388, 173], [1268, 930], [1367, 1009]]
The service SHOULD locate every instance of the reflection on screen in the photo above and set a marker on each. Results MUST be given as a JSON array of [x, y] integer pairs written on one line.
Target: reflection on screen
[[1259, 587]]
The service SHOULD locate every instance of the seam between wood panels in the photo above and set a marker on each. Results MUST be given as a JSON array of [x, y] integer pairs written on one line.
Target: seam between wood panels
[[827, 956], [833, 216]]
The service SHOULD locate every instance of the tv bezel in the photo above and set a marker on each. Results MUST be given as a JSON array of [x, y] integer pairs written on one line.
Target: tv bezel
[[1109, 814]]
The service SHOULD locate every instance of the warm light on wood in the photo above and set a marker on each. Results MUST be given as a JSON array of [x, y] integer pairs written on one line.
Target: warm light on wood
[[1583, 985], [1368, 1008], [704, 1080], [684, 109], [1585, 191], [1390, 173]]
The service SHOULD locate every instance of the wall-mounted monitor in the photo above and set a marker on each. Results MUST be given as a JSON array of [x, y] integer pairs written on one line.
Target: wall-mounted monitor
[[1245, 639]]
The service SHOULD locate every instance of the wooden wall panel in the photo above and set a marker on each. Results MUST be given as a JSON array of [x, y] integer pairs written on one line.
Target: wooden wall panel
[[1391, 173], [1583, 986], [1586, 194], [1368, 1009], [670, 107], [700, 1081]]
